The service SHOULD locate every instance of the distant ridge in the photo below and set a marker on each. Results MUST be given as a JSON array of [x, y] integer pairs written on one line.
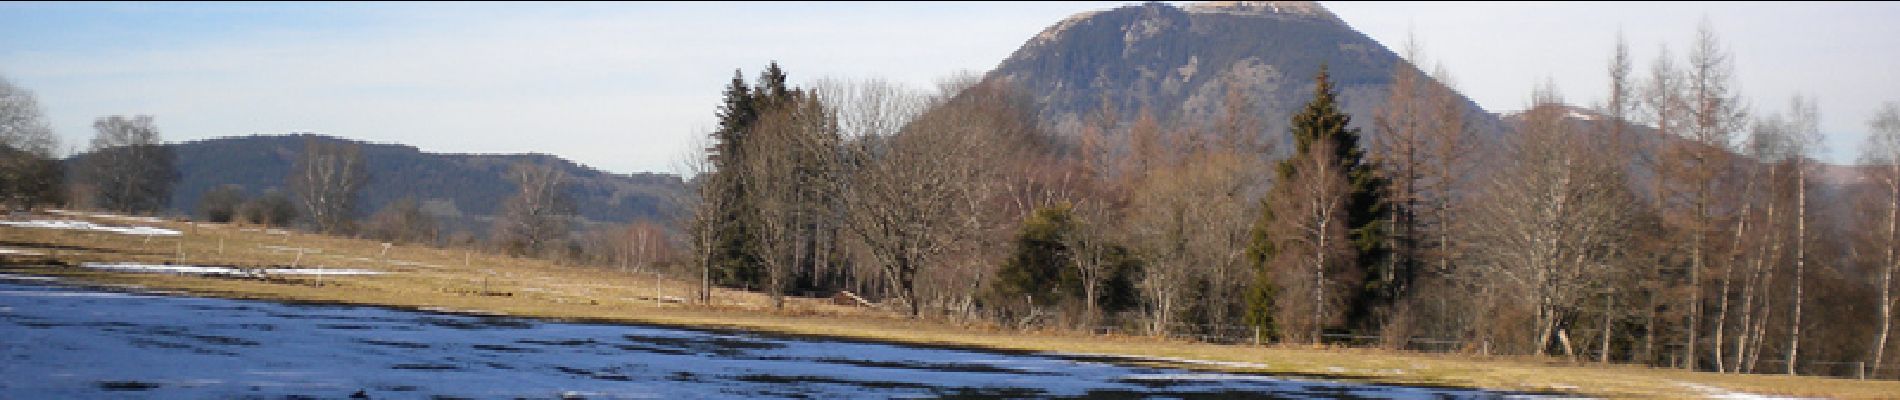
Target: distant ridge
[[464, 190]]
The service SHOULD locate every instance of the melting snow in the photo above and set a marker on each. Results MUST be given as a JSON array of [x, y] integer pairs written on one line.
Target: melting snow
[[226, 271], [1720, 393], [105, 216], [88, 226], [24, 252]]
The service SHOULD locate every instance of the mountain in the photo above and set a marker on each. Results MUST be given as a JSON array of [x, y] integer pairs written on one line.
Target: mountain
[[1181, 61], [1645, 138], [464, 190]]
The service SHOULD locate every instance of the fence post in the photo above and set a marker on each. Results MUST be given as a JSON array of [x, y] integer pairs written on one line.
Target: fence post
[[1860, 370], [1256, 335]]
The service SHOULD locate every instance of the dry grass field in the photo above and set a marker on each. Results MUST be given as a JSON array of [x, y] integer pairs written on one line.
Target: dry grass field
[[457, 280]]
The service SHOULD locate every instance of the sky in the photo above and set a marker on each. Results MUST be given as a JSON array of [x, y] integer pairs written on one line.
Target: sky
[[631, 87]]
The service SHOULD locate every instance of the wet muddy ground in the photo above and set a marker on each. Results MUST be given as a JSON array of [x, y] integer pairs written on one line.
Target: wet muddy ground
[[61, 341]]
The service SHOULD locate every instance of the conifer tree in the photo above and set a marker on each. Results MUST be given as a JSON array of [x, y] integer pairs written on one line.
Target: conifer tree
[[732, 260], [1321, 127]]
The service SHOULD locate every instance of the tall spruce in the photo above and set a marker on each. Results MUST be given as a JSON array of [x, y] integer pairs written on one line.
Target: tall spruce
[[736, 253], [1365, 212], [734, 262]]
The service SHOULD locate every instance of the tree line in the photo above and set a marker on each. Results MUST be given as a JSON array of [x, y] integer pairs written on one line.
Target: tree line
[[1670, 224]]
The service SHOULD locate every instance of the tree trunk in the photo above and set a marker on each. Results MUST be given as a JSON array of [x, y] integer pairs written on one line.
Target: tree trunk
[[1649, 330], [1800, 262], [1563, 337], [1728, 269], [1603, 357], [1765, 259], [1695, 296], [1545, 324], [906, 281], [1747, 313], [1886, 276], [705, 281], [1319, 283], [1767, 308]]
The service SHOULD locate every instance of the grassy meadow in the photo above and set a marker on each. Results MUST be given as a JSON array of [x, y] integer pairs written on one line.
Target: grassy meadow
[[420, 277]]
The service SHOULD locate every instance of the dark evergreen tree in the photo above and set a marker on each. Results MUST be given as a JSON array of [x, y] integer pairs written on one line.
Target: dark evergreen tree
[[773, 91], [1366, 212], [736, 256], [1039, 267], [733, 259], [1041, 270]]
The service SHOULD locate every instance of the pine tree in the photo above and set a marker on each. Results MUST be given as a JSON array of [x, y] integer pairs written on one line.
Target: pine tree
[[1365, 213]]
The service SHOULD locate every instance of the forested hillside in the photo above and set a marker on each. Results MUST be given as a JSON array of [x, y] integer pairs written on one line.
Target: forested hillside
[[465, 190]]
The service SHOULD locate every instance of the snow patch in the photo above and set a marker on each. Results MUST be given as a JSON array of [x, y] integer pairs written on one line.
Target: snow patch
[[1190, 361], [223, 271], [12, 277], [1200, 377], [24, 252], [88, 226], [71, 213], [1263, 8], [42, 293], [1720, 393]]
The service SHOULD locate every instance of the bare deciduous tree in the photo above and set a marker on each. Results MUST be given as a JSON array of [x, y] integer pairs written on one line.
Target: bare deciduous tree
[[1309, 235], [273, 208], [1556, 218], [328, 180], [706, 218], [790, 173], [1424, 146], [1401, 147], [918, 195], [536, 219], [1882, 154], [641, 244], [1804, 135], [1759, 252], [129, 165], [1622, 149], [404, 221], [29, 174], [1190, 222], [220, 204]]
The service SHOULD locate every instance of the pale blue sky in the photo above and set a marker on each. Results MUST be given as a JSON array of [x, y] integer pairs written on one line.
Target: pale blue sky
[[626, 87]]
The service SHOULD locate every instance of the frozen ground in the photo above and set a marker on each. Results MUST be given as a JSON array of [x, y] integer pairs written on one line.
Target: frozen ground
[[88, 226], [62, 341]]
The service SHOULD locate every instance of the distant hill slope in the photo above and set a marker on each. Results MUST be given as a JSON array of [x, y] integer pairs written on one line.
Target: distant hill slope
[[466, 189], [1645, 138], [1180, 62]]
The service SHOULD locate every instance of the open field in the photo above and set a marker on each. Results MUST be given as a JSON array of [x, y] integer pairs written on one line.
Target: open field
[[428, 278]]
